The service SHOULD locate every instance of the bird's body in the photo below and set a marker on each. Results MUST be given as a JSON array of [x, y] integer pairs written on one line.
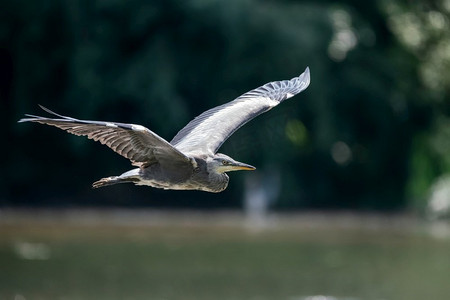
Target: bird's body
[[197, 177], [190, 161]]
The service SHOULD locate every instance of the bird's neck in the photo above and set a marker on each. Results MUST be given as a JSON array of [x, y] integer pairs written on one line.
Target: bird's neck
[[219, 180]]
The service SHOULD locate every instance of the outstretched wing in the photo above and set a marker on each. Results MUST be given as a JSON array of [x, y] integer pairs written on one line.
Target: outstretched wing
[[135, 142], [207, 132]]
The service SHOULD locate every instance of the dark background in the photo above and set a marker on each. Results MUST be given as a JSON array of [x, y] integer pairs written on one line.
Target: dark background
[[372, 132]]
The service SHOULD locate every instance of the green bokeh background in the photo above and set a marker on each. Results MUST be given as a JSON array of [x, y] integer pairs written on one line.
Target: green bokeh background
[[371, 132]]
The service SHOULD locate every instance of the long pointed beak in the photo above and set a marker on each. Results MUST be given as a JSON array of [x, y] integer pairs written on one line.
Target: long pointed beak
[[241, 166]]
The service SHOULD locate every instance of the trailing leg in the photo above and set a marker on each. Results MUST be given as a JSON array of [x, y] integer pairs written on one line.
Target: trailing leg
[[130, 176]]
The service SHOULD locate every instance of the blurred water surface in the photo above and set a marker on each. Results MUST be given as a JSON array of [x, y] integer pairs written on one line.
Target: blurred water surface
[[189, 255]]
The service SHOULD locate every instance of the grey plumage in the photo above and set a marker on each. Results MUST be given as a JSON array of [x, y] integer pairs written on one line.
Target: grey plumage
[[190, 161]]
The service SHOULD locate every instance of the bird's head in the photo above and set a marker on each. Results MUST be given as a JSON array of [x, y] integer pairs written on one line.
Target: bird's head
[[222, 163]]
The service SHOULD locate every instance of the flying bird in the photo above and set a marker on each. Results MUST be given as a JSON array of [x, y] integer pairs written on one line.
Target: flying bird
[[190, 160]]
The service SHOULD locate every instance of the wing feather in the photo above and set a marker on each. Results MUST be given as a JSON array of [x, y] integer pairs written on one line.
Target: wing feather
[[137, 143], [207, 132]]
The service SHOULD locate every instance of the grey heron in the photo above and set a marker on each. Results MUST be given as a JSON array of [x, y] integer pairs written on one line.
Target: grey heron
[[190, 160]]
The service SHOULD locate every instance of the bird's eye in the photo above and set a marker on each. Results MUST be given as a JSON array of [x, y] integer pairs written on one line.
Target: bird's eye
[[225, 163]]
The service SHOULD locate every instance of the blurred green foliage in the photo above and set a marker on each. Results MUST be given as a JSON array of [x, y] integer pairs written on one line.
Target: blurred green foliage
[[371, 132]]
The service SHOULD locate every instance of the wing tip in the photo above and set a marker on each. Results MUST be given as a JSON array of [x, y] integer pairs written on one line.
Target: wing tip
[[24, 120], [307, 71], [32, 118], [305, 77]]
